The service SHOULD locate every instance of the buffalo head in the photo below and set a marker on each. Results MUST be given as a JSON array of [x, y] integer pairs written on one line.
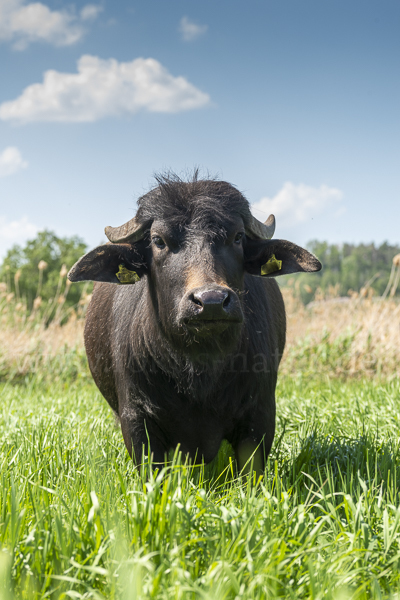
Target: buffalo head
[[192, 244]]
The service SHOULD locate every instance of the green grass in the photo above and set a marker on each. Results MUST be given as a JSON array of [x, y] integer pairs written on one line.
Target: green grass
[[78, 521]]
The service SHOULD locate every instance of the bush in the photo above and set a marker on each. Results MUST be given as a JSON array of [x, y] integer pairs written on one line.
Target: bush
[[35, 275]]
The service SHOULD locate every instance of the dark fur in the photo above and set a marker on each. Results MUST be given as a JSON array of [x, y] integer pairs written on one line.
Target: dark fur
[[170, 381]]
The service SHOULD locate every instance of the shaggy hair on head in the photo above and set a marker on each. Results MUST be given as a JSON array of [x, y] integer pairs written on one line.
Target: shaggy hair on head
[[199, 202]]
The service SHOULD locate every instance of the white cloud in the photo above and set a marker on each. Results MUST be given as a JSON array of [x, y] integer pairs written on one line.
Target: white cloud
[[190, 30], [103, 88], [90, 12], [297, 204], [23, 23], [15, 232], [11, 161]]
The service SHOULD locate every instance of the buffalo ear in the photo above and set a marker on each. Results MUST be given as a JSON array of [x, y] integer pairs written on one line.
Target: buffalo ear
[[271, 258], [112, 263]]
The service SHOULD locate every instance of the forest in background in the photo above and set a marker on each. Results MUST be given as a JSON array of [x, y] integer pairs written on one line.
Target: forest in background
[[346, 269]]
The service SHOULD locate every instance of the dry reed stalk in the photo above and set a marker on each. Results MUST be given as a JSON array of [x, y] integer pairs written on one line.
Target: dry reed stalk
[[394, 277], [41, 266], [17, 277]]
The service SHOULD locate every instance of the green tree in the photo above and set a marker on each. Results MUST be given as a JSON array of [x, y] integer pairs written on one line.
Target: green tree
[[40, 267]]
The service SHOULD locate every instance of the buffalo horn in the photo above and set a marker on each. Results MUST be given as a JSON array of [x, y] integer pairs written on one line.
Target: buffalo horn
[[132, 231], [259, 230]]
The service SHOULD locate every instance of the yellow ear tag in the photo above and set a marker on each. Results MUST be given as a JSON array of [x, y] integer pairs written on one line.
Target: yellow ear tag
[[272, 265], [124, 275]]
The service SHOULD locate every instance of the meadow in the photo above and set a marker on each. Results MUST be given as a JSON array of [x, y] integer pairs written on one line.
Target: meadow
[[77, 520]]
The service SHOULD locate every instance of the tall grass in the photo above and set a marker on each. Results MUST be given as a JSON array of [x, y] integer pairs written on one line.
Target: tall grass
[[77, 520], [47, 339]]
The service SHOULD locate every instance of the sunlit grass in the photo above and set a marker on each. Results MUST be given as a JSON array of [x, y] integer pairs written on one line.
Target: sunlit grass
[[77, 520]]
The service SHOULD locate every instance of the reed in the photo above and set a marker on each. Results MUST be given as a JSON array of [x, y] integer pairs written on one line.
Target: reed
[[356, 336], [44, 339]]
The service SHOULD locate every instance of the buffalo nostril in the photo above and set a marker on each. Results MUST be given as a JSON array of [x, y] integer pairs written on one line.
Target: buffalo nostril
[[196, 300], [226, 301]]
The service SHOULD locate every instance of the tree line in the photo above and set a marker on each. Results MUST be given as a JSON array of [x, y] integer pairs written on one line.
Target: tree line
[[348, 268]]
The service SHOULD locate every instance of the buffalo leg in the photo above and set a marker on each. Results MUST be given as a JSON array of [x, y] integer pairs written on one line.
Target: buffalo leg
[[249, 453], [253, 443], [140, 435]]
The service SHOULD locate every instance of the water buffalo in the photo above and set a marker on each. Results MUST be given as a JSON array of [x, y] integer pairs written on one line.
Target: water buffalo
[[187, 326]]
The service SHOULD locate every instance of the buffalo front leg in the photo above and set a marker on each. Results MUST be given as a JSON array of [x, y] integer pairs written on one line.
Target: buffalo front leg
[[253, 444], [250, 456], [142, 438]]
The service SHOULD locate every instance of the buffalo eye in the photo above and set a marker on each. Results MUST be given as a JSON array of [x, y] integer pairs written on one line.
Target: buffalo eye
[[158, 241], [238, 237]]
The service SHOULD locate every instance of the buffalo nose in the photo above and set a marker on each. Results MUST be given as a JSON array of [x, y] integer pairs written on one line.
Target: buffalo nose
[[213, 304]]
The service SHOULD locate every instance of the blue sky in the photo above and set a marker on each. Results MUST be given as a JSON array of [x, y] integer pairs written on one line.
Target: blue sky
[[296, 102]]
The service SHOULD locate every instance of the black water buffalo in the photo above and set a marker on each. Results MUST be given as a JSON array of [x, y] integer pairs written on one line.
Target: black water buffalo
[[186, 351]]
